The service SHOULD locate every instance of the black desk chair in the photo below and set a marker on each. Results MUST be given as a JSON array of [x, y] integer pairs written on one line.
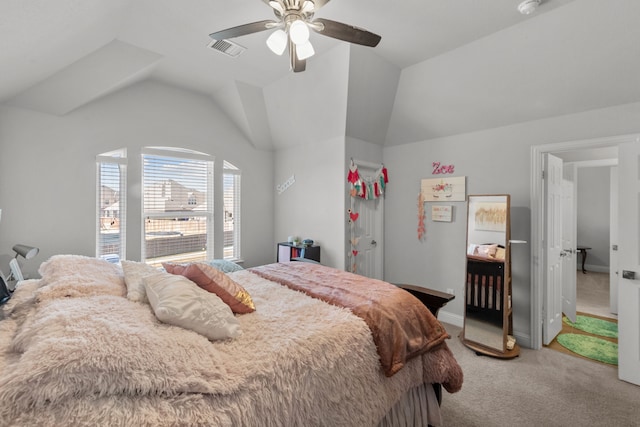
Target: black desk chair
[[4, 291]]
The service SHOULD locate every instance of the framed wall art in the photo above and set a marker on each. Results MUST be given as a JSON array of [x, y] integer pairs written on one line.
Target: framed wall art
[[444, 189], [441, 213]]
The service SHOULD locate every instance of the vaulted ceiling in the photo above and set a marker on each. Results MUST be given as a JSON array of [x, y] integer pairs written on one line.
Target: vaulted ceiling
[[442, 67]]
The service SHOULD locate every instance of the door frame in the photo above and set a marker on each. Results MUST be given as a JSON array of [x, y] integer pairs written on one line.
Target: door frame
[[537, 219], [569, 243]]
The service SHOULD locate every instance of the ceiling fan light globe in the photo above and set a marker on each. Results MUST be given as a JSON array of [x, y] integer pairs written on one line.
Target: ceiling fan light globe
[[299, 32], [277, 6], [304, 51], [308, 6], [277, 42], [527, 7]]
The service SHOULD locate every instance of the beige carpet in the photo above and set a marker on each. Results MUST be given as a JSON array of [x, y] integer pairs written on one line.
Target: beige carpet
[[538, 388]]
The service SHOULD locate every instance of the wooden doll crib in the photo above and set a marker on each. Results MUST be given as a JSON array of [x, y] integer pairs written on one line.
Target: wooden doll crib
[[485, 287]]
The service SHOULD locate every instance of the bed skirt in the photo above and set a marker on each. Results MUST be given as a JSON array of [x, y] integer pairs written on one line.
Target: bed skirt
[[417, 408]]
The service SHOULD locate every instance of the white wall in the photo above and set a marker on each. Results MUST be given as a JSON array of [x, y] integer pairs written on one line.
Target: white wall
[[310, 107], [593, 221], [494, 161], [313, 207], [48, 169], [307, 115]]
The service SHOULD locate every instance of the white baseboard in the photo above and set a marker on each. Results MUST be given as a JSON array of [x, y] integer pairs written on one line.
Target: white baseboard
[[594, 268], [523, 340], [451, 318]]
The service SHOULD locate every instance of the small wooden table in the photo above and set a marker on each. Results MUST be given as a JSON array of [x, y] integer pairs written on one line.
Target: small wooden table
[[433, 299], [583, 250]]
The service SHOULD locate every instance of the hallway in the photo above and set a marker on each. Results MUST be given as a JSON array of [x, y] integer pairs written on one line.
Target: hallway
[[593, 294]]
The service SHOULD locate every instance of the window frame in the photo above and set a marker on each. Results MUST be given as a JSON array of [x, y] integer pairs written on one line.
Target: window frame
[[230, 170]]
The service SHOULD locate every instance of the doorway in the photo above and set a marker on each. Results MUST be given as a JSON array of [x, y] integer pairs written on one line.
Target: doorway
[[538, 283], [593, 226], [597, 190]]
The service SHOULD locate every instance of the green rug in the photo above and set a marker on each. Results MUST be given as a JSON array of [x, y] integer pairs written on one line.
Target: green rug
[[591, 347], [594, 326]]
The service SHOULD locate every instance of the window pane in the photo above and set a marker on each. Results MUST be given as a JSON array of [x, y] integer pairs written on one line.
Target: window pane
[[175, 239], [111, 211], [177, 209], [172, 184]]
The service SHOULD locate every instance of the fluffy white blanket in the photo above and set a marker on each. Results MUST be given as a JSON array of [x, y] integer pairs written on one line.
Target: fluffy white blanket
[[79, 353]]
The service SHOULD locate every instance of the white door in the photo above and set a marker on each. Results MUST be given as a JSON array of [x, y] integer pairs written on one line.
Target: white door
[[552, 248], [568, 254], [629, 263], [368, 232], [613, 240]]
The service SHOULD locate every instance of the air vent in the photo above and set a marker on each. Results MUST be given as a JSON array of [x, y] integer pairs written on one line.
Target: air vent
[[227, 47]]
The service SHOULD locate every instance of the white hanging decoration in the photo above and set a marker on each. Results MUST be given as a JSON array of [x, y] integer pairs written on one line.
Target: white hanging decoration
[[285, 185], [367, 188]]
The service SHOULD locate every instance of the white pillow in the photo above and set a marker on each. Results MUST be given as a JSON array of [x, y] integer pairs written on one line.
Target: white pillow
[[134, 273], [178, 301]]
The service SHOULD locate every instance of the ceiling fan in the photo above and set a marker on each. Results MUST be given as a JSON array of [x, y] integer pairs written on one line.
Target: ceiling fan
[[294, 19]]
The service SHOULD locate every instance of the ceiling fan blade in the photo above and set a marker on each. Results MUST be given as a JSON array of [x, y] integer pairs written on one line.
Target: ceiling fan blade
[[242, 30], [297, 65], [345, 32]]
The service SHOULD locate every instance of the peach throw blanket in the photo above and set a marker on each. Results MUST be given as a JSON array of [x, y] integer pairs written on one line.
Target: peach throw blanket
[[402, 327]]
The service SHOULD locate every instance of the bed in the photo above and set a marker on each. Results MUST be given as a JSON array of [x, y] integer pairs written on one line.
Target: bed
[[81, 346]]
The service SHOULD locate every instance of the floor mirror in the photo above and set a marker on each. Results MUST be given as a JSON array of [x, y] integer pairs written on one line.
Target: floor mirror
[[488, 313]]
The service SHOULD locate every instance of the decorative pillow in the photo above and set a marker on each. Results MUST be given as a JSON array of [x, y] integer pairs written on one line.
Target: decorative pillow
[[70, 276], [213, 280], [178, 301], [79, 269], [488, 251], [225, 266], [134, 273]]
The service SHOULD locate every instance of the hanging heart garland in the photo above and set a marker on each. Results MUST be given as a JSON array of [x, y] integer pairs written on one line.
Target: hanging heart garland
[[354, 216]]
